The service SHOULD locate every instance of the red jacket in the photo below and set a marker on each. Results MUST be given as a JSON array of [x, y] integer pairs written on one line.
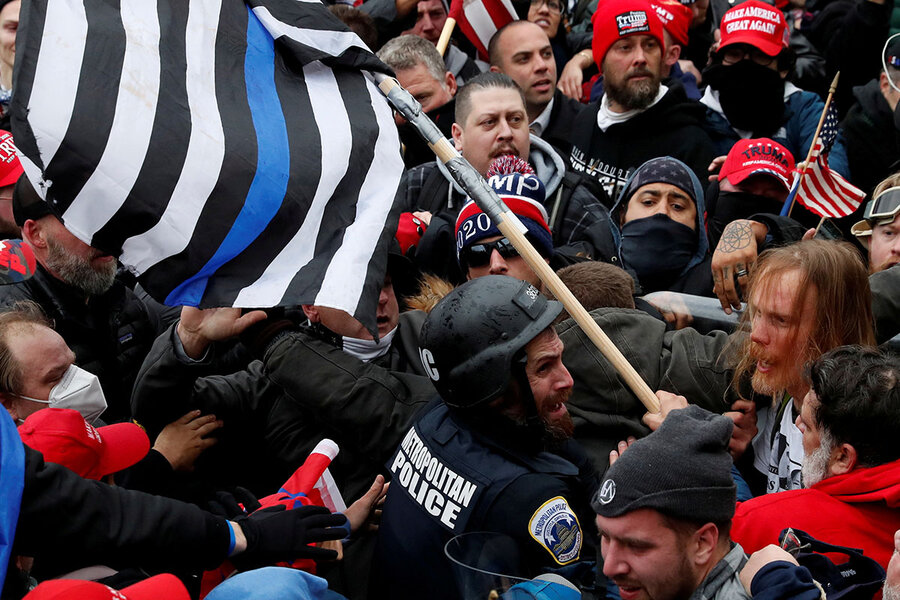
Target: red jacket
[[860, 509]]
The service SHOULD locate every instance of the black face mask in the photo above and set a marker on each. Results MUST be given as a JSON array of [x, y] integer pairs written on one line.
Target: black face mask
[[751, 95], [725, 207], [657, 249], [897, 116]]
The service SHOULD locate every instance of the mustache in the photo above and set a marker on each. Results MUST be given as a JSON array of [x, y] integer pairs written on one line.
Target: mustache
[[757, 353], [559, 397], [505, 150], [640, 72]]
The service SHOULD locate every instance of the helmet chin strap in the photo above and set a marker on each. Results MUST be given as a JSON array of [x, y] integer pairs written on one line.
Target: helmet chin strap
[[533, 422], [885, 65]]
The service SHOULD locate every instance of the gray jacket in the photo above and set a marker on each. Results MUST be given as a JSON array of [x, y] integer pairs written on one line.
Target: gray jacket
[[684, 362], [885, 287], [724, 582]]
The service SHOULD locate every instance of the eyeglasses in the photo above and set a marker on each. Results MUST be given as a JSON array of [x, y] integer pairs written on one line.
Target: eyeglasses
[[552, 5], [884, 207], [479, 255], [734, 54]]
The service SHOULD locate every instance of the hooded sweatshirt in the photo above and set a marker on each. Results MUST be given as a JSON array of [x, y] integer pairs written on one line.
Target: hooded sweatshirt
[[578, 216], [860, 509], [696, 276], [672, 126]]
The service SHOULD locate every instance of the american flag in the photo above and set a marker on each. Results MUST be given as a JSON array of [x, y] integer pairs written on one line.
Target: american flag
[[821, 190], [230, 153], [479, 20]]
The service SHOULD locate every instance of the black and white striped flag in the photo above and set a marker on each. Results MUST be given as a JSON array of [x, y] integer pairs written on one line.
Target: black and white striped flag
[[231, 153]]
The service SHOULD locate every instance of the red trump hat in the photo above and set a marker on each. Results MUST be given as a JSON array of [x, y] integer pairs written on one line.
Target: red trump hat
[[760, 156], [757, 24], [65, 438]]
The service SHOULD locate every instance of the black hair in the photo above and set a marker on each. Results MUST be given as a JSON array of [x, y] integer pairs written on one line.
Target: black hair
[[858, 389]]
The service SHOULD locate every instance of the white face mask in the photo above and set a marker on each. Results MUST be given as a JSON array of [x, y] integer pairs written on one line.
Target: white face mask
[[78, 390], [366, 350]]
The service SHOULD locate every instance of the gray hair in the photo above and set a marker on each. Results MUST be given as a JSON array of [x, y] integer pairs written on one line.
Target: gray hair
[[408, 51]]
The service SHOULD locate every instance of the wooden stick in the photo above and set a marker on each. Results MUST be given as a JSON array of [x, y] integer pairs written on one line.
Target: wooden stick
[[812, 146], [446, 32], [819, 226], [507, 222]]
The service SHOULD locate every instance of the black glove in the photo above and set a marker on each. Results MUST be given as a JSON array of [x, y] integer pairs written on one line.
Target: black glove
[[228, 504], [275, 534]]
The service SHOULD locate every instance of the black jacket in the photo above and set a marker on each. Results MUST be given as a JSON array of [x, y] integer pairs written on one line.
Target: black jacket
[[415, 149], [562, 118], [671, 127], [72, 523], [276, 410], [871, 138], [110, 334]]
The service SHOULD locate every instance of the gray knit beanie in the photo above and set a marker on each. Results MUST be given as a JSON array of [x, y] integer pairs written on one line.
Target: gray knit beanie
[[682, 470]]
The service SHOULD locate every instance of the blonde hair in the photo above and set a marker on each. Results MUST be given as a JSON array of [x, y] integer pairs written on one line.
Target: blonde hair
[[835, 272]]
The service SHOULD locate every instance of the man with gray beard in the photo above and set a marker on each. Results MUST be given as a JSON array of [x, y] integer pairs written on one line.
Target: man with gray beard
[[891, 589], [107, 326], [638, 118], [851, 466]]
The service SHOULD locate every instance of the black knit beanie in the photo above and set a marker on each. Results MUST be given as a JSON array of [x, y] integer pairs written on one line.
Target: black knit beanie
[[682, 470], [661, 170]]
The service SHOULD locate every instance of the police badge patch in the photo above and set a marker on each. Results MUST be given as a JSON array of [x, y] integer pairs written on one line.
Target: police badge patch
[[555, 527]]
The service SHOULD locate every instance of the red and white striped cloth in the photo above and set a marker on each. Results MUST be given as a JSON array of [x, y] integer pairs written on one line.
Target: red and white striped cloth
[[826, 193], [480, 19], [823, 191]]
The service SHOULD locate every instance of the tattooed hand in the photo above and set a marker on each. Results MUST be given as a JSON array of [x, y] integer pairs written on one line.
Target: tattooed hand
[[734, 259]]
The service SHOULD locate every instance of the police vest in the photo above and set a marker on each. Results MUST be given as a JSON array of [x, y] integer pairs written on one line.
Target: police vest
[[444, 481]]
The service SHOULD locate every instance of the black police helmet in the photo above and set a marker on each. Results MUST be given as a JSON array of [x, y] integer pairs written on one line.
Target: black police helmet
[[470, 339]]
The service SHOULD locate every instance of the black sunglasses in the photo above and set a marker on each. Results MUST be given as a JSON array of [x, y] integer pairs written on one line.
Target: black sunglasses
[[479, 255]]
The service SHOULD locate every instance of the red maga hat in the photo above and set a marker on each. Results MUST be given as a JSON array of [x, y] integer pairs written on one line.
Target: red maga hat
[[159, 587], [64, 437], [760, 156], [757, 24], [10, 167], [676, 18]]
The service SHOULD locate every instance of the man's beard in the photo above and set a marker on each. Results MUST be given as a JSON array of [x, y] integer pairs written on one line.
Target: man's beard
[[883, 267], [561, 428], [815, 465], [781, 378], [890, 592], [636, 95], [77, 272]]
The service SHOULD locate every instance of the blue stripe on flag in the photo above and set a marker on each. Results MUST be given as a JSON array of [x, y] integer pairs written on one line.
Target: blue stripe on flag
[[272, 169]]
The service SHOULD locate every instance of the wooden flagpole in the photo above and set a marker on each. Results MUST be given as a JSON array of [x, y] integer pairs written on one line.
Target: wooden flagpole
[[812, 146], [507, 222], [446, 32]]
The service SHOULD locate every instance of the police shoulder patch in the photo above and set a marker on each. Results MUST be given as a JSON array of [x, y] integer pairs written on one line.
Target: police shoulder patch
[[555, 527]]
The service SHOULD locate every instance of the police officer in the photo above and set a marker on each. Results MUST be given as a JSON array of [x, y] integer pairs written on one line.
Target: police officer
[[493, 454]]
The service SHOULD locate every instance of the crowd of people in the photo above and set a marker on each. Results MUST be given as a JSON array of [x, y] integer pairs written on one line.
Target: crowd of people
[[481, 445]]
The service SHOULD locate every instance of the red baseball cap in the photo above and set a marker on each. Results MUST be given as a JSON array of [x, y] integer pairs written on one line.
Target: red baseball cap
[[10, 167], [757, 24], [760, 156], [676, 18], [158, 587], [616, 19], [64, 437]]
